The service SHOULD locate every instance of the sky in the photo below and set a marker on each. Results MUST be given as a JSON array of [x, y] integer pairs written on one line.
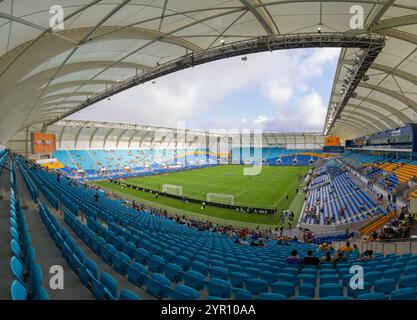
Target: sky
[[281, 91]]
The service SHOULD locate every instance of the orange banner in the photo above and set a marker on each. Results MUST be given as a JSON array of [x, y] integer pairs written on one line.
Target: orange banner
[[332, 141], [43, 142]]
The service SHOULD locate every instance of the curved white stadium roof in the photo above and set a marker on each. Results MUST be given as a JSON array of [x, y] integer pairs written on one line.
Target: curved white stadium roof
[[107, 46]]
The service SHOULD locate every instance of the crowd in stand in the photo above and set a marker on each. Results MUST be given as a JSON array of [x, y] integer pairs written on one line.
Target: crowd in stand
[[331, 255], [397, 228]]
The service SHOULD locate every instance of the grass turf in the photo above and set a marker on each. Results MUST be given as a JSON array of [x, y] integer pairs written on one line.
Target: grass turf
[[268, 190]]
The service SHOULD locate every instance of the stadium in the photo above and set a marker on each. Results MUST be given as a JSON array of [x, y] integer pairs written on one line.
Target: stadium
[[208, 150]]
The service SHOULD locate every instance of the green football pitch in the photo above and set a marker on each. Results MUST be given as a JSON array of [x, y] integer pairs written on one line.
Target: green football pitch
[[269, 189]]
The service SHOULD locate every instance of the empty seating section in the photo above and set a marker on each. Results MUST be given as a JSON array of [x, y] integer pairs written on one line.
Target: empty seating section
[[403, 171], [64, 157], [390, 172], [102, 285], [27, 283], [335, 198], [84, 160], [275, 156], [94, 160], [356, 158]]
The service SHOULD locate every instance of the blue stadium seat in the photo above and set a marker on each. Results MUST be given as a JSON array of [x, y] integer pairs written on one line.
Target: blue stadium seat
[[128, 295], [284, 288], [287, 277], [307, 278], [110, 286], [242, 294], [88, 271], [136, 273], [238, 279], [199, 267], [35, 280], [219, 272], [15, 247], [252, 272], [385, 285], [158, 285], [307, 290], [404, 294], [410, 270], [121, 262], [392, 274], [357, 292], [18, 291], [42, 294], [268, 276], [173, 272], [182, 292], [156, 263], [372, 296], [256, 285], [329, 279], [330, 289], [408, 281], [373, 276], [17, 269], [194, 280], [270, 296], [219, 288], [302, 298], [183, 262]]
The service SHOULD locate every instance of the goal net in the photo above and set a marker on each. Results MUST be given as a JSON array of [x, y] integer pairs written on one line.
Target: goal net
[[172, 189], [220, 198]]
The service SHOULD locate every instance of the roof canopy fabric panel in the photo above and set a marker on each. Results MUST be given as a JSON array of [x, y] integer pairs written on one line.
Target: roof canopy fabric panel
[[47, 74]]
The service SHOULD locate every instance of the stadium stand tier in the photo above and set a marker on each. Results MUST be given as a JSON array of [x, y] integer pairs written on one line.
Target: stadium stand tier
[[155, 257]]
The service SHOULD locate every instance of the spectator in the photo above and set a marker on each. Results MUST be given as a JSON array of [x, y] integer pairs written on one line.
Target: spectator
[[327, 257], [367, 255], [339, 257], [355, 249], [347, 248], [293, 258], [310, 259]]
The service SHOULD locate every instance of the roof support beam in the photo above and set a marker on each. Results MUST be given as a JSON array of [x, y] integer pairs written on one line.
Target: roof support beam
[[77, 135], [131, 138], [363, 129], [397, 113], [376, 126], [377, 114], [407, 101], [376, 14], [92, 137], [106, 137], [258, 16], [76, 83], [120, 137]]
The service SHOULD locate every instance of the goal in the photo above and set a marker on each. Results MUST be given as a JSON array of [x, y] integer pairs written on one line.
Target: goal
[[172, 189], [220, 198]]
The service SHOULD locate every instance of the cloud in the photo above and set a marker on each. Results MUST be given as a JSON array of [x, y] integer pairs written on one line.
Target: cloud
[[281, 84], [278, 93]]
